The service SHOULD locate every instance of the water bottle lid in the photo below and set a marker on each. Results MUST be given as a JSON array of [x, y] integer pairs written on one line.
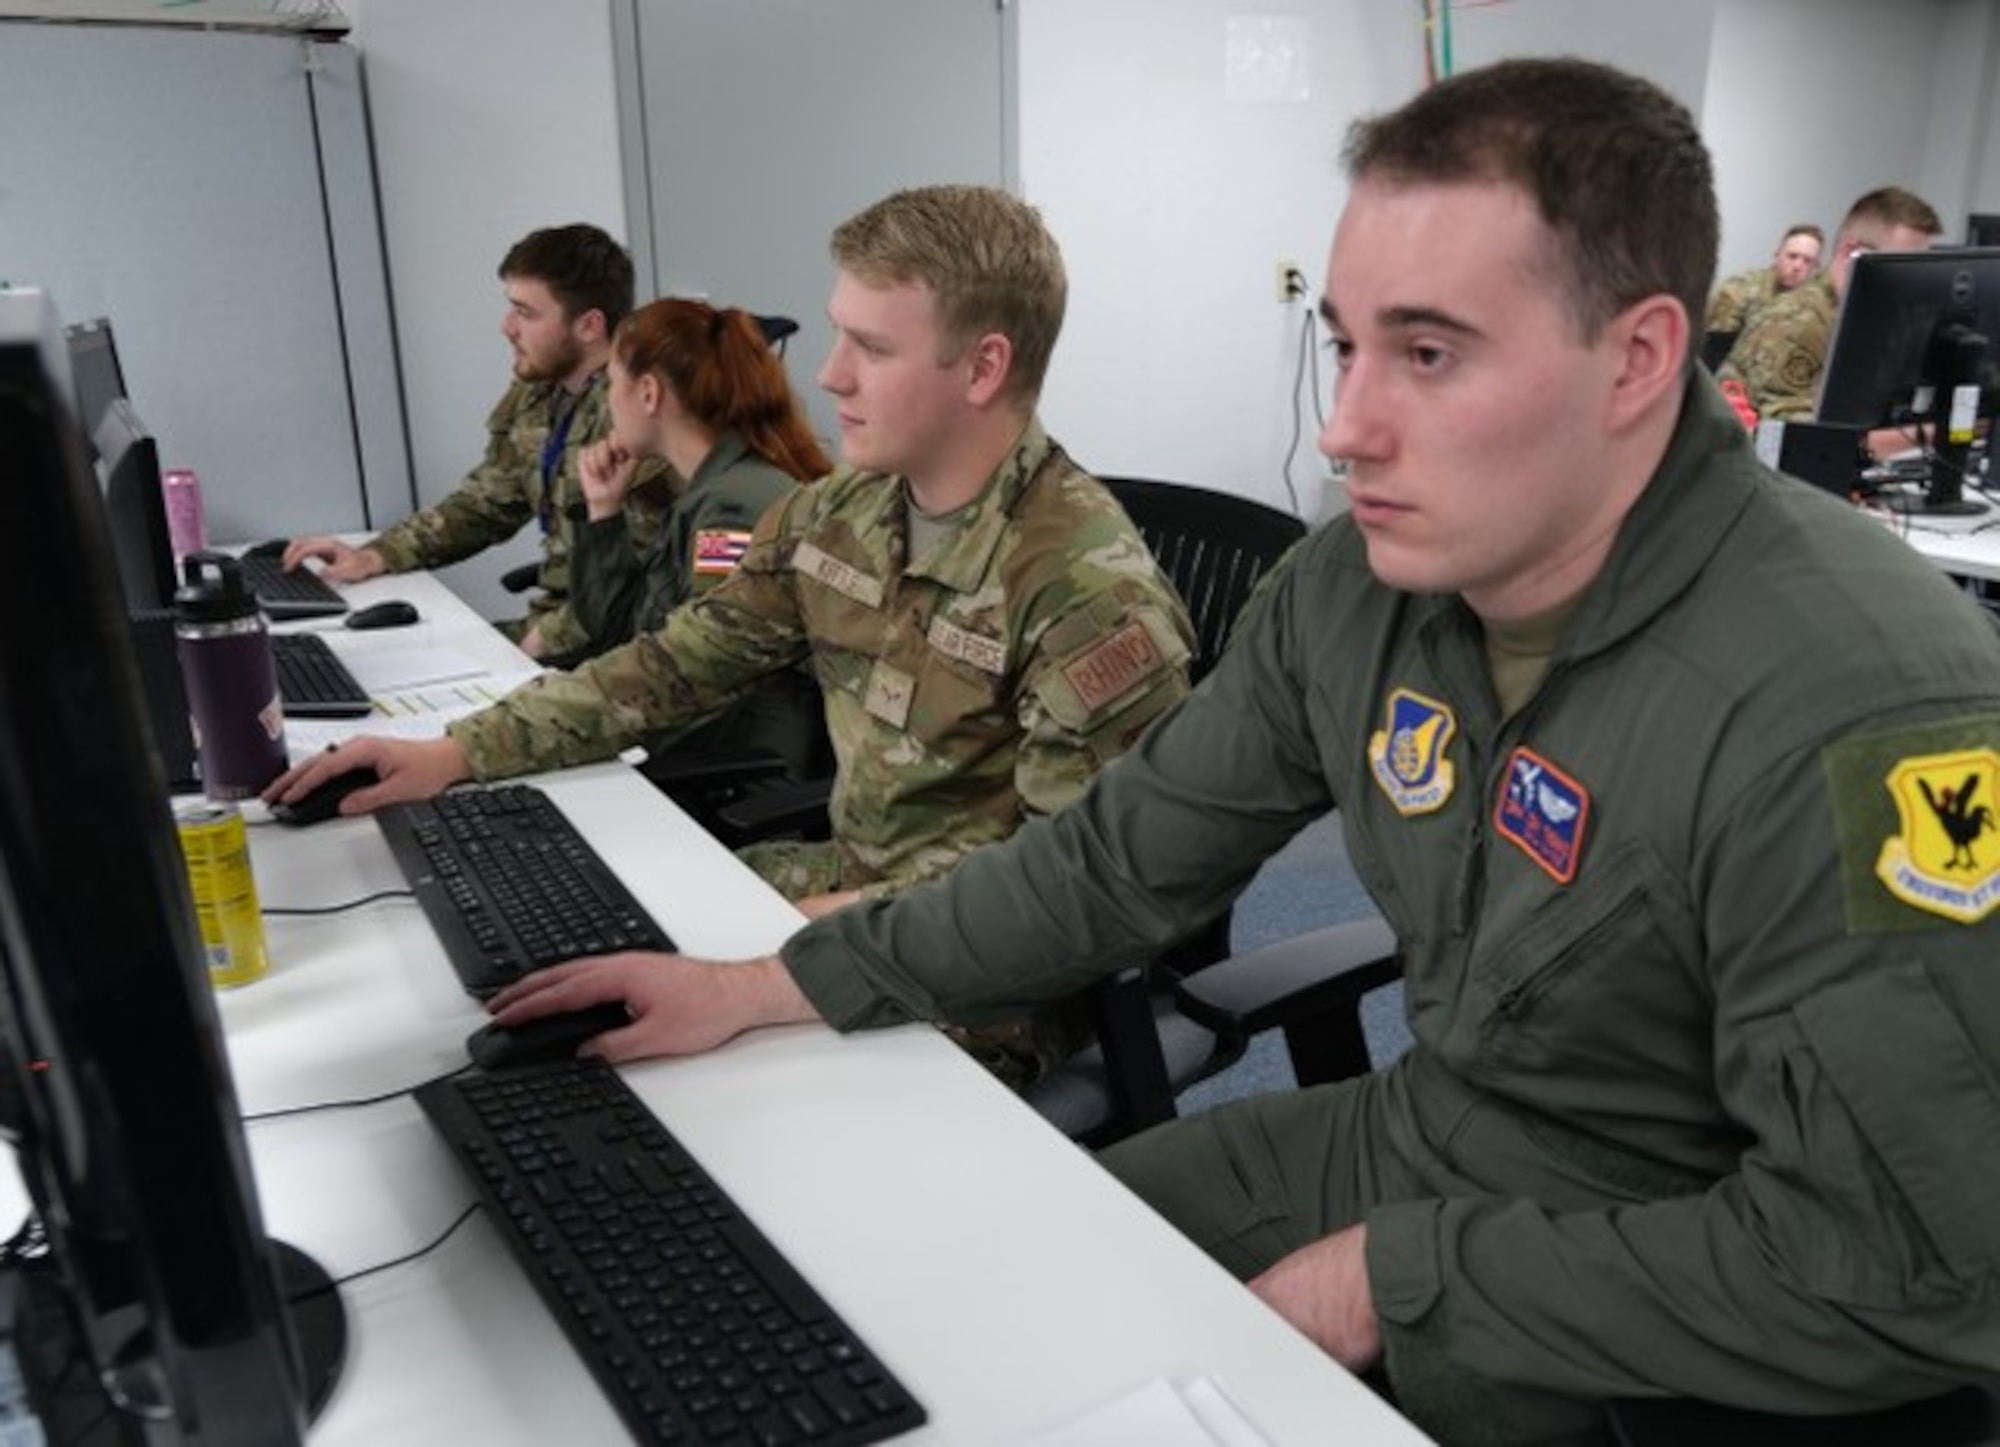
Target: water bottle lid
[[213, 590]]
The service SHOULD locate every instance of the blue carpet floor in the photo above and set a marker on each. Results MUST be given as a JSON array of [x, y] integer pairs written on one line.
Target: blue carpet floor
[[1305, 885]]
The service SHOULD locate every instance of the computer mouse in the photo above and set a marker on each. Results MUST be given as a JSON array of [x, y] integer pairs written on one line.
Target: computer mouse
[[324, 802], [553, 1037], [389, 613], [269, 548]]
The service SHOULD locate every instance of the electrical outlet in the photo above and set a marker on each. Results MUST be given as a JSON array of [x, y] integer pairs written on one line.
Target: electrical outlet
[[1291, 282]]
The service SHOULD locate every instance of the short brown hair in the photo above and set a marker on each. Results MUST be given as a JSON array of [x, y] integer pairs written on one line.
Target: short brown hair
[[583, 268], [1888, 206], [1615, 166], [988, 260]]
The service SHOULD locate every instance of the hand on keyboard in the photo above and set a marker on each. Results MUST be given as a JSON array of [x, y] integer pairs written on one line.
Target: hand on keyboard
[[679, 1005]]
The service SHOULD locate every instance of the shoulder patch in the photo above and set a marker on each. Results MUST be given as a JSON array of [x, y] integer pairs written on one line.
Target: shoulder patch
[[1407, 753], [717, 551], [1543, 810], [1107, 670], [1945, 854]]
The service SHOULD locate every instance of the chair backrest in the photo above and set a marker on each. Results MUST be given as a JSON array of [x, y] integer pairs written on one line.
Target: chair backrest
[[1213, 546]]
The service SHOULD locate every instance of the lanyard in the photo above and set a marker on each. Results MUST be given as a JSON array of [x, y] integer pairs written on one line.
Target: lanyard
[[552, 451]]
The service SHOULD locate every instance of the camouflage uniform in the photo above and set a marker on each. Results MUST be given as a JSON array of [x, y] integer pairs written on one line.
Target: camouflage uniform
[[1780, 355], [1738, 298], [965, 690], [505, 491]]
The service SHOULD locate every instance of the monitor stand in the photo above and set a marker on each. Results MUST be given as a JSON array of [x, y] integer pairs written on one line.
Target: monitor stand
[[52, 1358], [1943, 492]]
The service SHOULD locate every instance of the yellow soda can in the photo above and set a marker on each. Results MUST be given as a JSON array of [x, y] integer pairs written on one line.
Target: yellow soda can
[[216, 848]]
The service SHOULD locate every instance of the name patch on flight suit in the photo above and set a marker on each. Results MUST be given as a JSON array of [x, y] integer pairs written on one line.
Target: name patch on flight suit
[[843, 578], [1543, 810], [1945, 856], [717, 551], [1111, 668], [1407, 753]]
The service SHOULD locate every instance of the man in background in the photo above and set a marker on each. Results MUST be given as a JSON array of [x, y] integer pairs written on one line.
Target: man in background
[[567, 288], [1781, 351], [1795, 262]]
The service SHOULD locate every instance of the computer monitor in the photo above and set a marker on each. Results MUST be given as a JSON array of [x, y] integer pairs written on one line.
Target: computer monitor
[[1917, 346], [95, 370], [135, 507], [160, 1282], [1982, 229]]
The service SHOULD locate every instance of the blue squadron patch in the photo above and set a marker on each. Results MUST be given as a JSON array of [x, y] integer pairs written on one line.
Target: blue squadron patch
[[1543, 810], [1945, 857], [1408, 754]]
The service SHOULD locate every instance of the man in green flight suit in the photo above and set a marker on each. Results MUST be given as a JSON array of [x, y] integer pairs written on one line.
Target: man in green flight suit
[[986, 625], [1674, 778], [567, 289]]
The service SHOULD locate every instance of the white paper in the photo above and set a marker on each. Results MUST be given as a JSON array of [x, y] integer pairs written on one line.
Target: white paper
[[1159, 1414]]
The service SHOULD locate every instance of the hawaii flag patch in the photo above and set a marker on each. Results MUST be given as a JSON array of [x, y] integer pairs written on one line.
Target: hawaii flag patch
[[1407, 753], [1543, 810], [1945, 856], [717, 551]]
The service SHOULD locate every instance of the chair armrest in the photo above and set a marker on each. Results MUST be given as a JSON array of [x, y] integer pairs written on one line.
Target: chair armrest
[[522, 578], [798, 808], [673, 769], [1309, 986]]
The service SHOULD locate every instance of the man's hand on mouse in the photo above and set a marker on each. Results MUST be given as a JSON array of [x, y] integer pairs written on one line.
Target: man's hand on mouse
[[344, 562], [405, 769], [679, 1006]]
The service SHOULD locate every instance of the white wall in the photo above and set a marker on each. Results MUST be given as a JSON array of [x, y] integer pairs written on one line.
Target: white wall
[[491, 118], [1173, 201]]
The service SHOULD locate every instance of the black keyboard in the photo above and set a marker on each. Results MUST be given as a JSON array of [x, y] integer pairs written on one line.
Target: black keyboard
[[696, 1328], [313, 682], [510, 885], [301, 593]]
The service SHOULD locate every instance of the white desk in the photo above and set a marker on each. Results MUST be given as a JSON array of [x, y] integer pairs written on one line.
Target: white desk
[[1000, 1273], [1963, 547]]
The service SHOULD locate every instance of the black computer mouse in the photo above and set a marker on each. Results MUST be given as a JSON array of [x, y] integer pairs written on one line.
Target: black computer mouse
[[324, 802], [389, 613], [269, 548], [553, 1037]]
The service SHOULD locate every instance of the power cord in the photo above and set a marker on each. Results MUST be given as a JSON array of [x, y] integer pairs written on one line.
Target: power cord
[[404, 1260], [1308, 362], [303, 911], [356, 1102]]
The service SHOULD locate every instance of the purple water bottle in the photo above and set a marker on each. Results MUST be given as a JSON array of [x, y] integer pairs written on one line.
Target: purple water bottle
[[231, 678]]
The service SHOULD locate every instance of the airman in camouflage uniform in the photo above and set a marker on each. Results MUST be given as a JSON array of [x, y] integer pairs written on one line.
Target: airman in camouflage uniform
[[567, 288], [986, 625], [1782, 349], [1796, 261], [966, 690]]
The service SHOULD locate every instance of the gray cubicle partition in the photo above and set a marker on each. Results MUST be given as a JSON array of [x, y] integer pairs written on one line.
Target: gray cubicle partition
[[212, 192]]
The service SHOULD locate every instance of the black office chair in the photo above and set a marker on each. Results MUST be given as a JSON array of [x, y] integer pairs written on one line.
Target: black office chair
[[1215, 547], [1968, 1417]]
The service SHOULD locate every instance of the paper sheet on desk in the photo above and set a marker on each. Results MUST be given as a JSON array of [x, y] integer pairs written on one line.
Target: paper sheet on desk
[[394, 670], [408, 713], [1196, 1413]]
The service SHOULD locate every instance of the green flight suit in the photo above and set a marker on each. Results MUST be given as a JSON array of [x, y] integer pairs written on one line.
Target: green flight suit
[[617, 594], [506, 491], [1702, 948], [965, 690]]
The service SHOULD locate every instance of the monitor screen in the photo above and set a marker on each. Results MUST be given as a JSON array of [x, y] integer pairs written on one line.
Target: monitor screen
[[161, 1284], [1982, 229], [1917, 347], [135, 506], [93, 366]]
